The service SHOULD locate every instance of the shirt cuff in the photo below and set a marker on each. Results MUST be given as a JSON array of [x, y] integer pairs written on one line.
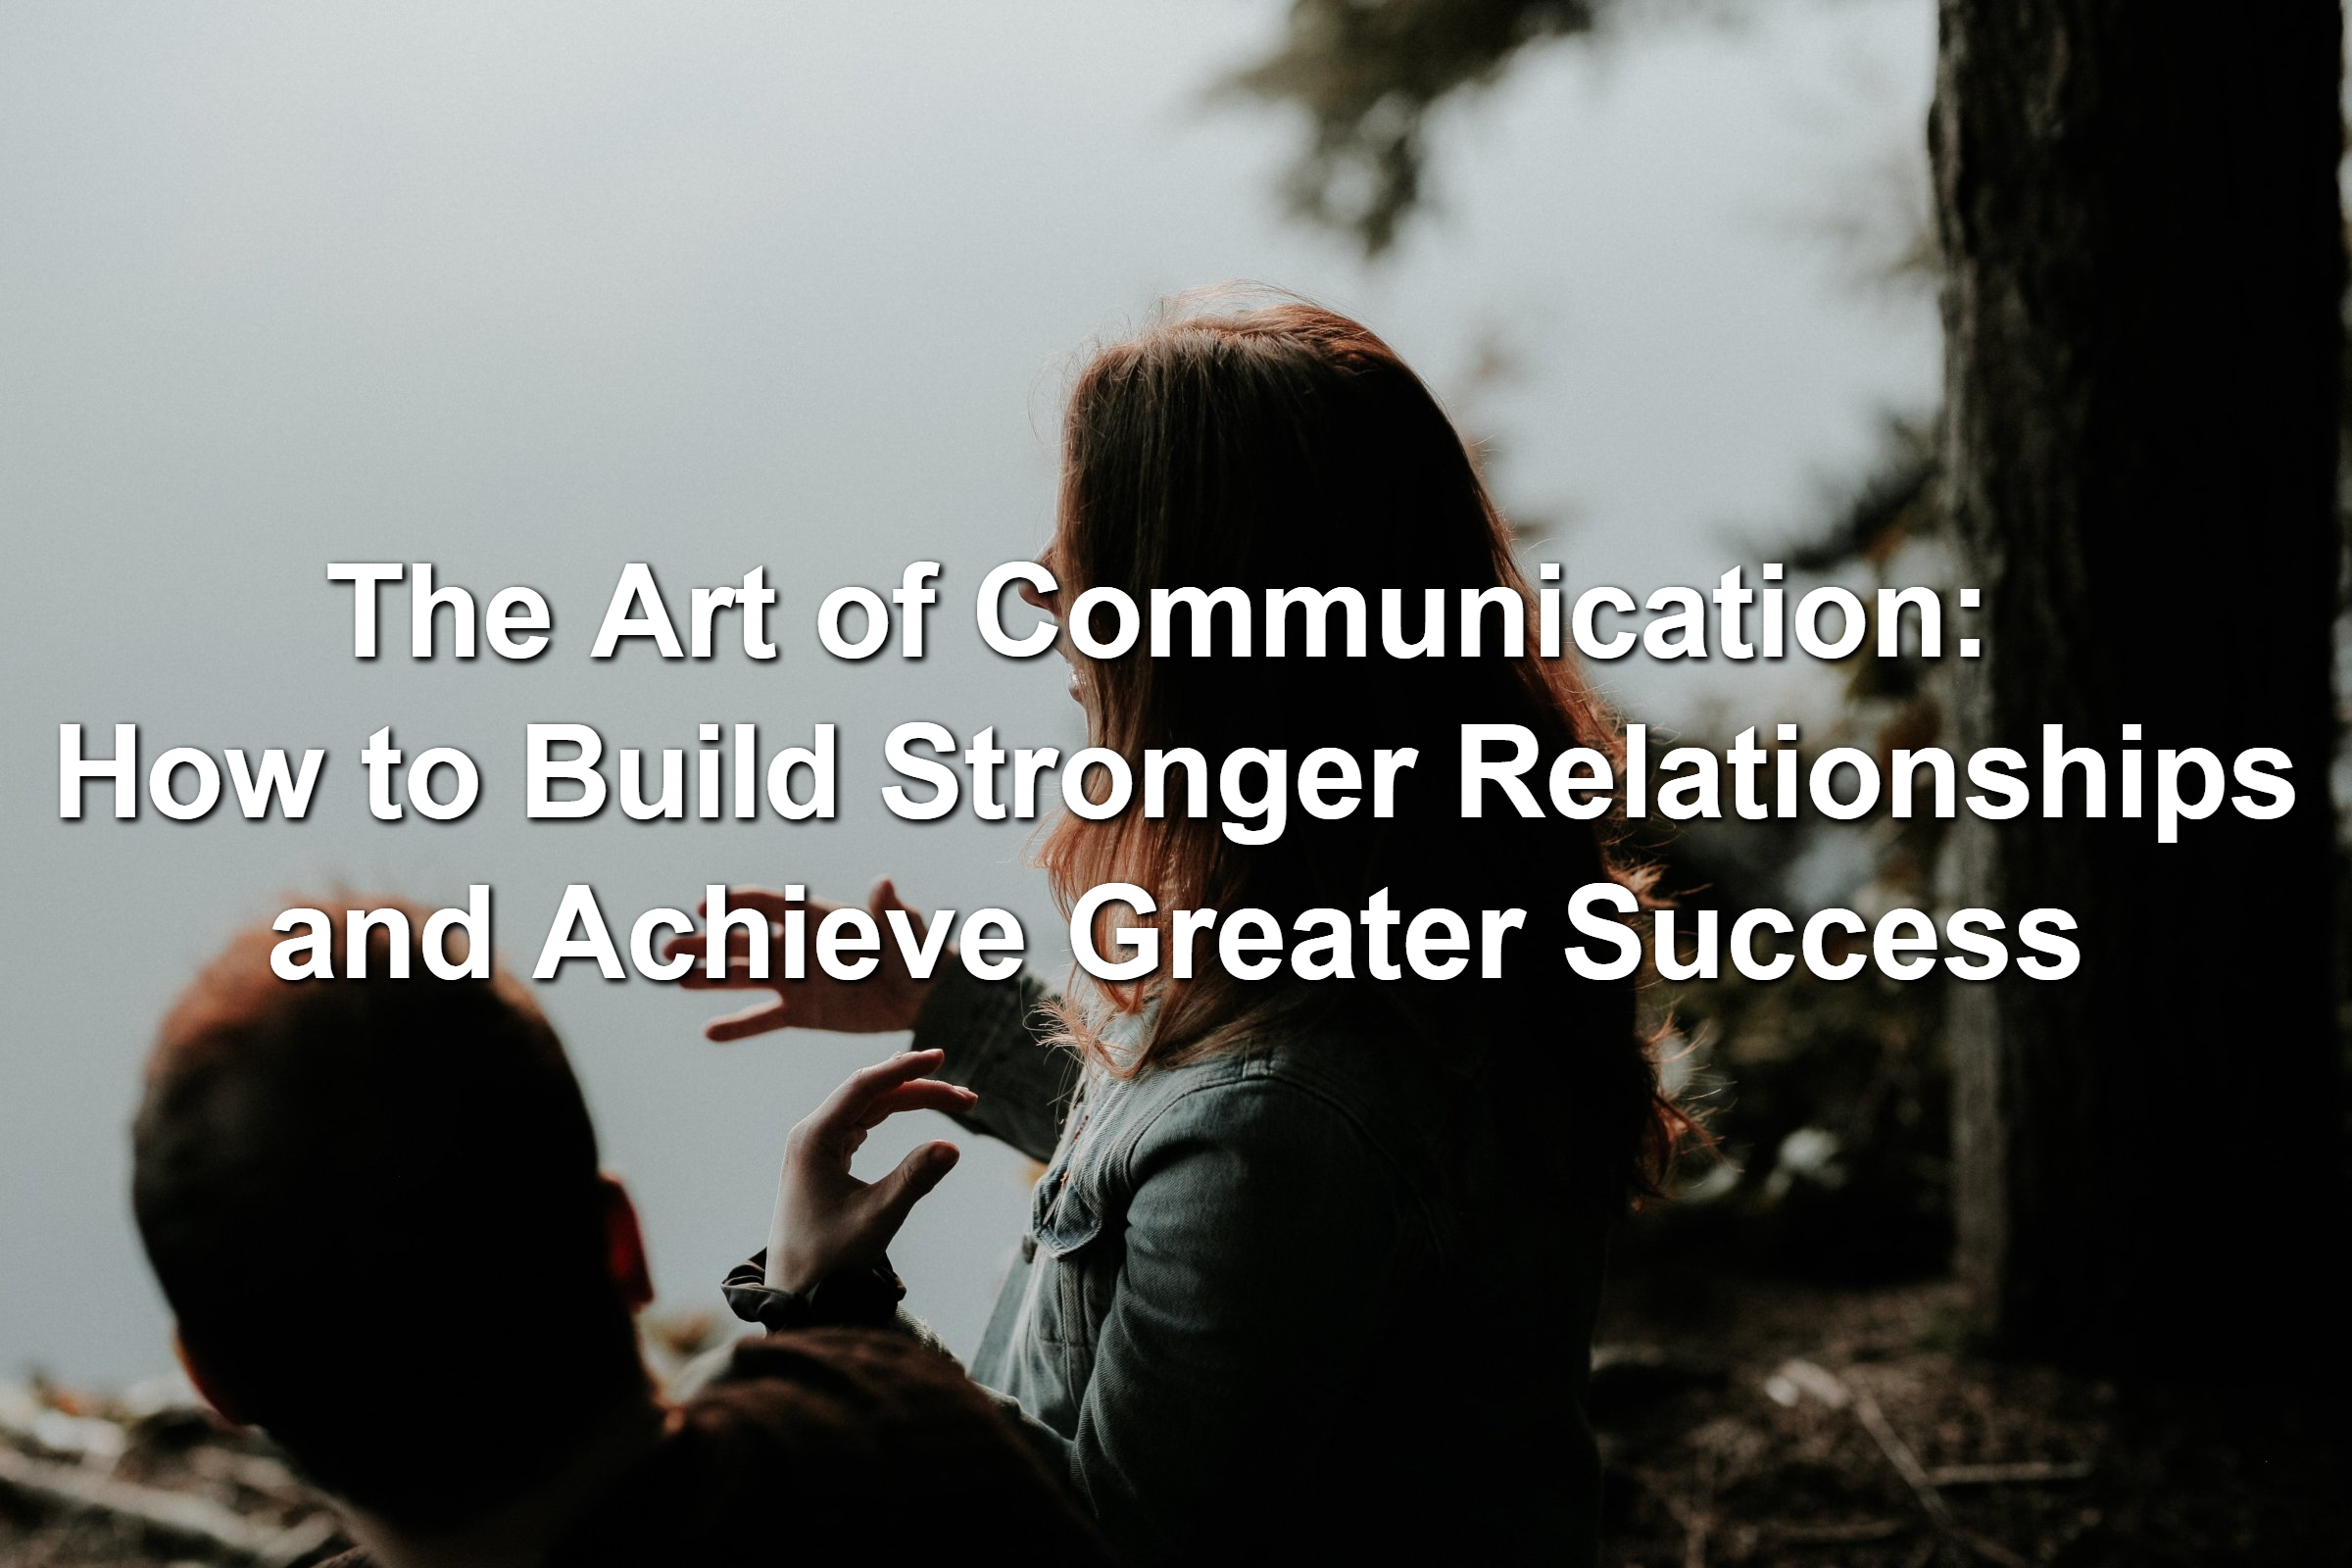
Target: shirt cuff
[[855, 1297]]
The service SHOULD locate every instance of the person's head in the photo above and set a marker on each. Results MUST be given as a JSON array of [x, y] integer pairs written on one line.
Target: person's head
[[376, 1208], [1278, 446]]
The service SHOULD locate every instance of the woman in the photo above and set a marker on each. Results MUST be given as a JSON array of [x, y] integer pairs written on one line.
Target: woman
[[1313, 1265]]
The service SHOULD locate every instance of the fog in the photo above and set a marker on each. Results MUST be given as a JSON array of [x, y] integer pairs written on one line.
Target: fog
[[534, 292]]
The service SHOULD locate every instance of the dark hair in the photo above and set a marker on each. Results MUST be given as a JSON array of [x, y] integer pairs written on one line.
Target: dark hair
[[1286, 446], [342, 1186]]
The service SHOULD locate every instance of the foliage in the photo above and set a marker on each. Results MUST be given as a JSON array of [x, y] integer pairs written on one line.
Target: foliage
[[1368, 72], [1830, 1098]]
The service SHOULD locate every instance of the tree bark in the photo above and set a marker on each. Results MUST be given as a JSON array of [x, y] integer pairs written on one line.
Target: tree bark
[[2145, 251]]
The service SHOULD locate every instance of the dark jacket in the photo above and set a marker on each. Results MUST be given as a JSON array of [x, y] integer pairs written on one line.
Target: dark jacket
[[829, 1445], [1289, 1301]]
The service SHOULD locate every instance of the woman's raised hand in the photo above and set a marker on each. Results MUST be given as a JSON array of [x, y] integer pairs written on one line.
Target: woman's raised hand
[[827, 1220], [886, 999]]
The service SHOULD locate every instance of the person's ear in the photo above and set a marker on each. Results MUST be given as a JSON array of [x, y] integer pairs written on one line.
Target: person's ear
[[223, 1403], [1048, 600], [625, 1247]]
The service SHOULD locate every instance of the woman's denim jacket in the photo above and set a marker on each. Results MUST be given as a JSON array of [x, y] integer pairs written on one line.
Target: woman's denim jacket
[[1288, 1284]]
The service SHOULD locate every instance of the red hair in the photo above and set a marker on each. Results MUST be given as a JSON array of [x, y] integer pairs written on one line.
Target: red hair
[[1286, 446]]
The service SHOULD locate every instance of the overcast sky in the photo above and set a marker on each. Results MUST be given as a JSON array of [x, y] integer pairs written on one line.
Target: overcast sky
[[535, 291]]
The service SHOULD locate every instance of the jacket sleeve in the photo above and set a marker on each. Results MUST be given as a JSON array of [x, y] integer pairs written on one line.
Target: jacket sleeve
[[1266, 1235], [995, 1049], [869, 1306]]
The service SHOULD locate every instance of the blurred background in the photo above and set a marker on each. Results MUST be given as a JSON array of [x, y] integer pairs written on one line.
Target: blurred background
[[535, 291]]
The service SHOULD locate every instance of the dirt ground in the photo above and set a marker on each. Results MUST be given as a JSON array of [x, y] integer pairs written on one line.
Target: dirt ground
[[1788, 1424], [1747, 1423]]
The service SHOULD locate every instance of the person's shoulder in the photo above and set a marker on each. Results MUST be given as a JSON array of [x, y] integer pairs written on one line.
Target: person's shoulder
[[1321, 1090], [825, 1441], [835, 1361], [1380, 1081], [830, 1391]]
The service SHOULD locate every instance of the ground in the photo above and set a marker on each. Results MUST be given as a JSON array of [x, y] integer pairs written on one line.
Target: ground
[[1742, 1422], [1738, 1428]]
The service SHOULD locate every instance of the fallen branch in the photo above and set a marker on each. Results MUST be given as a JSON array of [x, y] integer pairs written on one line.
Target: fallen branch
[[2020, 1473], [1836, 1392], [176, 1516], [1860, 1532], [1899, 1455]]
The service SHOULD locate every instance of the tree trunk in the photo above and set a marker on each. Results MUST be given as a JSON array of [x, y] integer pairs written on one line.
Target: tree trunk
[[2144, 252]]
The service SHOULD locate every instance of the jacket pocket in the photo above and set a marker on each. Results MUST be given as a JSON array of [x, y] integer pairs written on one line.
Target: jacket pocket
[[1065, 1220], [1070, 1264]]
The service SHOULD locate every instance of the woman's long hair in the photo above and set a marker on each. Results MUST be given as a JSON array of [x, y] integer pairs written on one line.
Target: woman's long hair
[[1280, 447]]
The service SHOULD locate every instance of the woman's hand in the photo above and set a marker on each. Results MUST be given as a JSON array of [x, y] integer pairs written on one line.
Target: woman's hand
[[886, 999], [827, 1220]]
